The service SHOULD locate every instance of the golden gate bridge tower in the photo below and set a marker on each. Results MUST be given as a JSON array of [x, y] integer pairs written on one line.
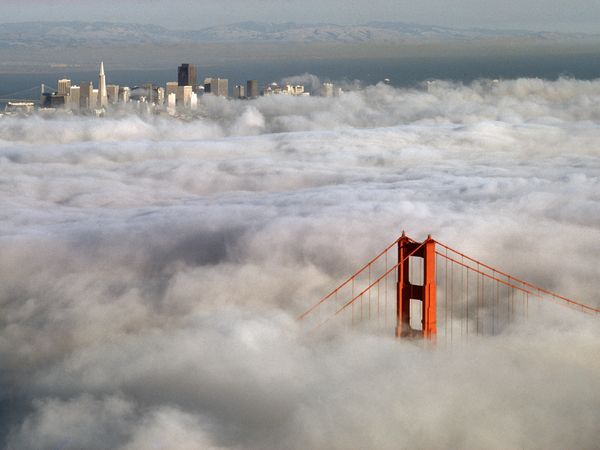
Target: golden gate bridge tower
[[431, 291]]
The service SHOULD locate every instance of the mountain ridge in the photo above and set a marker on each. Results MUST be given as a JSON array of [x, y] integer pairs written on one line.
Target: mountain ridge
[[82, 34]]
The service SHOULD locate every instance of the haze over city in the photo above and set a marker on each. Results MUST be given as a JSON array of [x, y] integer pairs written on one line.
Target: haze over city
[[186, 188]]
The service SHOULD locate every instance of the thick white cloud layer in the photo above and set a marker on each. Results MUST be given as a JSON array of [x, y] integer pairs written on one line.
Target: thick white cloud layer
[[152, 269]]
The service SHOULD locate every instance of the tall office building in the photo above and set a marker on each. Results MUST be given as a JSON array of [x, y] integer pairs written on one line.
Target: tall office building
[[172, 102], [184, 96], [238, 91], [160, 96], [112, 92], [217, 86], [102, 96], [171, 88], [207, 82], [85, 98], [124, 94], [64, 86], [187, 75], [327, 89], [150, 94], [251, 88], [74, 97], [222, 87], [94, 99]]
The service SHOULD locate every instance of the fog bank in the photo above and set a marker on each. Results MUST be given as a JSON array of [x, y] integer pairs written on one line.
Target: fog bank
[[152, 270]]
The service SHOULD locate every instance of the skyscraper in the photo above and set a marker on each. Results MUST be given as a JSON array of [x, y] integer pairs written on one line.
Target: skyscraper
[[74, 97], [239, 92], [150, 94], [64, 86], [85, 95], [327, 89], [172, 102], [251, 88], [102, 96], [184, 96], [160, 96], [124, 94], [171, 88], [217, 86], [112, 92], [187, 75], [94, 98]]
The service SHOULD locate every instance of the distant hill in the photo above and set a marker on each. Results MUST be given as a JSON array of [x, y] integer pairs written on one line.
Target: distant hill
[[369, 32], [83, 34]]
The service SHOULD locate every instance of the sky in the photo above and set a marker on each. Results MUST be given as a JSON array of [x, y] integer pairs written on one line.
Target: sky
[[550, 15], [152, 270]]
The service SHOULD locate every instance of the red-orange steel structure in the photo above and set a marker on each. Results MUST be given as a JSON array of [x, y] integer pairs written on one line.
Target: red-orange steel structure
[[430, 289], [409, 291]]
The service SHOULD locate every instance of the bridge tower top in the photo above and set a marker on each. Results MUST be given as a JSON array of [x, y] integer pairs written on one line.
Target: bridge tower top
[[432, 291]]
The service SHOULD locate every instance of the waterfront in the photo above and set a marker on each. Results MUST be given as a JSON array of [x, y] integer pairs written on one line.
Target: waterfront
[[403, 72]]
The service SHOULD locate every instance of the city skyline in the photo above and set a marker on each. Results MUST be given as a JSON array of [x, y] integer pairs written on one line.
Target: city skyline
[[181, 96], [203, 232]]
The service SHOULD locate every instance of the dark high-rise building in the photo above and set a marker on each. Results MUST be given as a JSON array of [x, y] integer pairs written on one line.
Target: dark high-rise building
[[251, 89], [187, 75], [53, 100]]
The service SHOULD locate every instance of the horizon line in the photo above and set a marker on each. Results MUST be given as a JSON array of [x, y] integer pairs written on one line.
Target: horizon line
[[372, 23]]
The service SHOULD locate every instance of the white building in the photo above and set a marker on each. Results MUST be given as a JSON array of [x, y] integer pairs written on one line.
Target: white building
[[64, 86], [287, 89], [94, 99], [172, 103], [184, 96], [327, 90], [19, 107], [160, 96], [102, 98], [74, 98]]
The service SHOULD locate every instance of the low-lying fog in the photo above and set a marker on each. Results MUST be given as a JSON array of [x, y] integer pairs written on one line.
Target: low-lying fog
[[151, 270]]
